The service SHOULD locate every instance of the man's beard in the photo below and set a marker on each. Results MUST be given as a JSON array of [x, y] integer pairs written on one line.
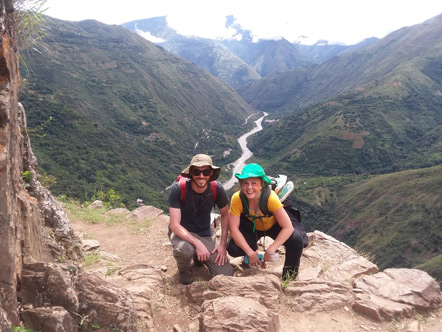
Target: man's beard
[[198, 184]]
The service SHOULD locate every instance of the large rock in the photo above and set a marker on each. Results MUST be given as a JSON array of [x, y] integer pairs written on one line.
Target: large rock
[[265, 289], [50, 319], [396, 293], [236, 313], [143, 282], [319, 295], [144, 212], [330, 259], [49, 284], [5, 324], [105, 305]]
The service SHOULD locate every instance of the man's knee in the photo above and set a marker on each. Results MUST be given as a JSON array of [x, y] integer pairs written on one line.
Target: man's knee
[[184, 250]]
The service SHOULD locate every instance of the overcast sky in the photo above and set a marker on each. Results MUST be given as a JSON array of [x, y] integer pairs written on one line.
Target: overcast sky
[[337, 21]]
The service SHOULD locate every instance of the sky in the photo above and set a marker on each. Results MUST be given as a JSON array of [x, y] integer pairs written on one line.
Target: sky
[[336, 21]]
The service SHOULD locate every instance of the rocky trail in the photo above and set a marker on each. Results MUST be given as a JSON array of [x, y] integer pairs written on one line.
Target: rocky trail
[[136, 254]]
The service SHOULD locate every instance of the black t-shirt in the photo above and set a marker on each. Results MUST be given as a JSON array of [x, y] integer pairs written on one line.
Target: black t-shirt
[[196, 208]]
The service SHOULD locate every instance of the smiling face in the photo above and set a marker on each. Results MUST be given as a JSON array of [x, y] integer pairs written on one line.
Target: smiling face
[[251, 187], [200, 177]]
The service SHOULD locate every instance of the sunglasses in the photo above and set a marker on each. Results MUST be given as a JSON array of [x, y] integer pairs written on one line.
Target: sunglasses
[[205, 172]]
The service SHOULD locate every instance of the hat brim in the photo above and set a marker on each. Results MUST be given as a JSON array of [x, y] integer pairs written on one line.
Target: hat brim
[[264, 178]]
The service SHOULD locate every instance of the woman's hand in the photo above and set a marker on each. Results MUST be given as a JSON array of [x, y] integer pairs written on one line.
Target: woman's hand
[[269, 256]]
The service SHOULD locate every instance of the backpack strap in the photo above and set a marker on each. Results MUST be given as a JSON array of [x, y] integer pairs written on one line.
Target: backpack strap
[[183, 189], [213, 186]]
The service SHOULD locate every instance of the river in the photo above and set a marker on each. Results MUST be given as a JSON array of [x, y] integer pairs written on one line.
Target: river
[[246, 153]]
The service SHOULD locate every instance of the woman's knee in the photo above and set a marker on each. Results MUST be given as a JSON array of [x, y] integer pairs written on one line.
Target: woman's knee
[[233, 250], [295, 242]]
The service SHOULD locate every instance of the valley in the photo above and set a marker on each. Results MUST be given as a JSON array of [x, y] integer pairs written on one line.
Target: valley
[[126, 116]]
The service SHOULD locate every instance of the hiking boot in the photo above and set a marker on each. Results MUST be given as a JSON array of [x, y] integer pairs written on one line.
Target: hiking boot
[[186, 277]]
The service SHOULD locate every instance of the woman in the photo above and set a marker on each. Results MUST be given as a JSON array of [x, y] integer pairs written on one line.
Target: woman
[[248, 224]]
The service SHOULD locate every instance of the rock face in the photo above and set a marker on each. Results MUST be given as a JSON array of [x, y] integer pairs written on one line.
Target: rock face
[[35, 233]]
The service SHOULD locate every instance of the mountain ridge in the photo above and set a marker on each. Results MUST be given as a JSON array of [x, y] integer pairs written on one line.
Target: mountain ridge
[[104, 84], [250, 59]]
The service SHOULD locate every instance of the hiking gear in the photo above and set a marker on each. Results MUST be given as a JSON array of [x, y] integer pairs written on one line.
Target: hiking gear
[[286, 191], [201, 160], [295, 218], [197, 172], [246, 258], [264, 197], [278, 183], [183, 189], [253, 171], [186, 277]]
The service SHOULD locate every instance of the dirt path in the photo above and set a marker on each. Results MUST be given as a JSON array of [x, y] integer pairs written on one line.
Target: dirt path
[[129, 243]]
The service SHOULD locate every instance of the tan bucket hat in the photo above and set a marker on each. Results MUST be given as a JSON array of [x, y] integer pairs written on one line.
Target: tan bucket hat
[[201, 160]]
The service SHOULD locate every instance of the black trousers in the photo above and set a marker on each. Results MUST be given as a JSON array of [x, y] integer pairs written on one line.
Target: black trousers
[[293, 246]]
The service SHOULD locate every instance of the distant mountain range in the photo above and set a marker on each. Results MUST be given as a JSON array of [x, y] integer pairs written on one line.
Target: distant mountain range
[[359, 130], [238, 62], [374, 110]]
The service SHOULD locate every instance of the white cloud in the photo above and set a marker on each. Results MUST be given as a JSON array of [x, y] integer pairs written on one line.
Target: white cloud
[[147, 35], [344, 21]]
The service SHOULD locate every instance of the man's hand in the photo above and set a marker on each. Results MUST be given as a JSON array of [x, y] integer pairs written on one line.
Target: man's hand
[[201, 251], [221, 257]]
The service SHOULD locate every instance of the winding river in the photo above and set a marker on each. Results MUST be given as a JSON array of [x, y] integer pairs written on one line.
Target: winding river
[[246, 153]]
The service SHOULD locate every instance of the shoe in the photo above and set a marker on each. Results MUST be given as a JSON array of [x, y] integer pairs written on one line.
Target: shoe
[[186, 277]]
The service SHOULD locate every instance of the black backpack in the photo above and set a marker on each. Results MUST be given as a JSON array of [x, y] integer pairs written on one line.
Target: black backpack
[[293, 213]]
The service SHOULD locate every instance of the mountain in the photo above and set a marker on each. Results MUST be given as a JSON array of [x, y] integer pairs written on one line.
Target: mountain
[[108, 109], [322, 50], [382, 64], [238, 61], [393, 218], [203, 52], [361, 136], [374, 110]]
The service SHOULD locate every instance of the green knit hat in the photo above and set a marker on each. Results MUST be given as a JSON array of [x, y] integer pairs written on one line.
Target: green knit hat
[[253, 171]]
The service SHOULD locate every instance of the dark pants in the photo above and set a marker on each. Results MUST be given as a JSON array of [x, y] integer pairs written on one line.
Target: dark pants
[[293, 246]]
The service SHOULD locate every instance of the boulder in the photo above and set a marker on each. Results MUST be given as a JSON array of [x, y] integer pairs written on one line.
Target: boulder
[[265, 288], [104, 304], [144, 212], [396, 293], [50, 319], [331, 259], [49, 284], [237, 313], [319, 295]]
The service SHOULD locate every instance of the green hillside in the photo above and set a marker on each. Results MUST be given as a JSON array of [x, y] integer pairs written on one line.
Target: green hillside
[[357, 133], [361, 135], [108, 109], [395, 217]]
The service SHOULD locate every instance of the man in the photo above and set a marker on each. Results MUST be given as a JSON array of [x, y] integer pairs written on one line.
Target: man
[[192, 235]]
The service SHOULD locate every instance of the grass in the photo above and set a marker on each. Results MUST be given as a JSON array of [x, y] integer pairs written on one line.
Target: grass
[[77, 211], [91, 259]]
